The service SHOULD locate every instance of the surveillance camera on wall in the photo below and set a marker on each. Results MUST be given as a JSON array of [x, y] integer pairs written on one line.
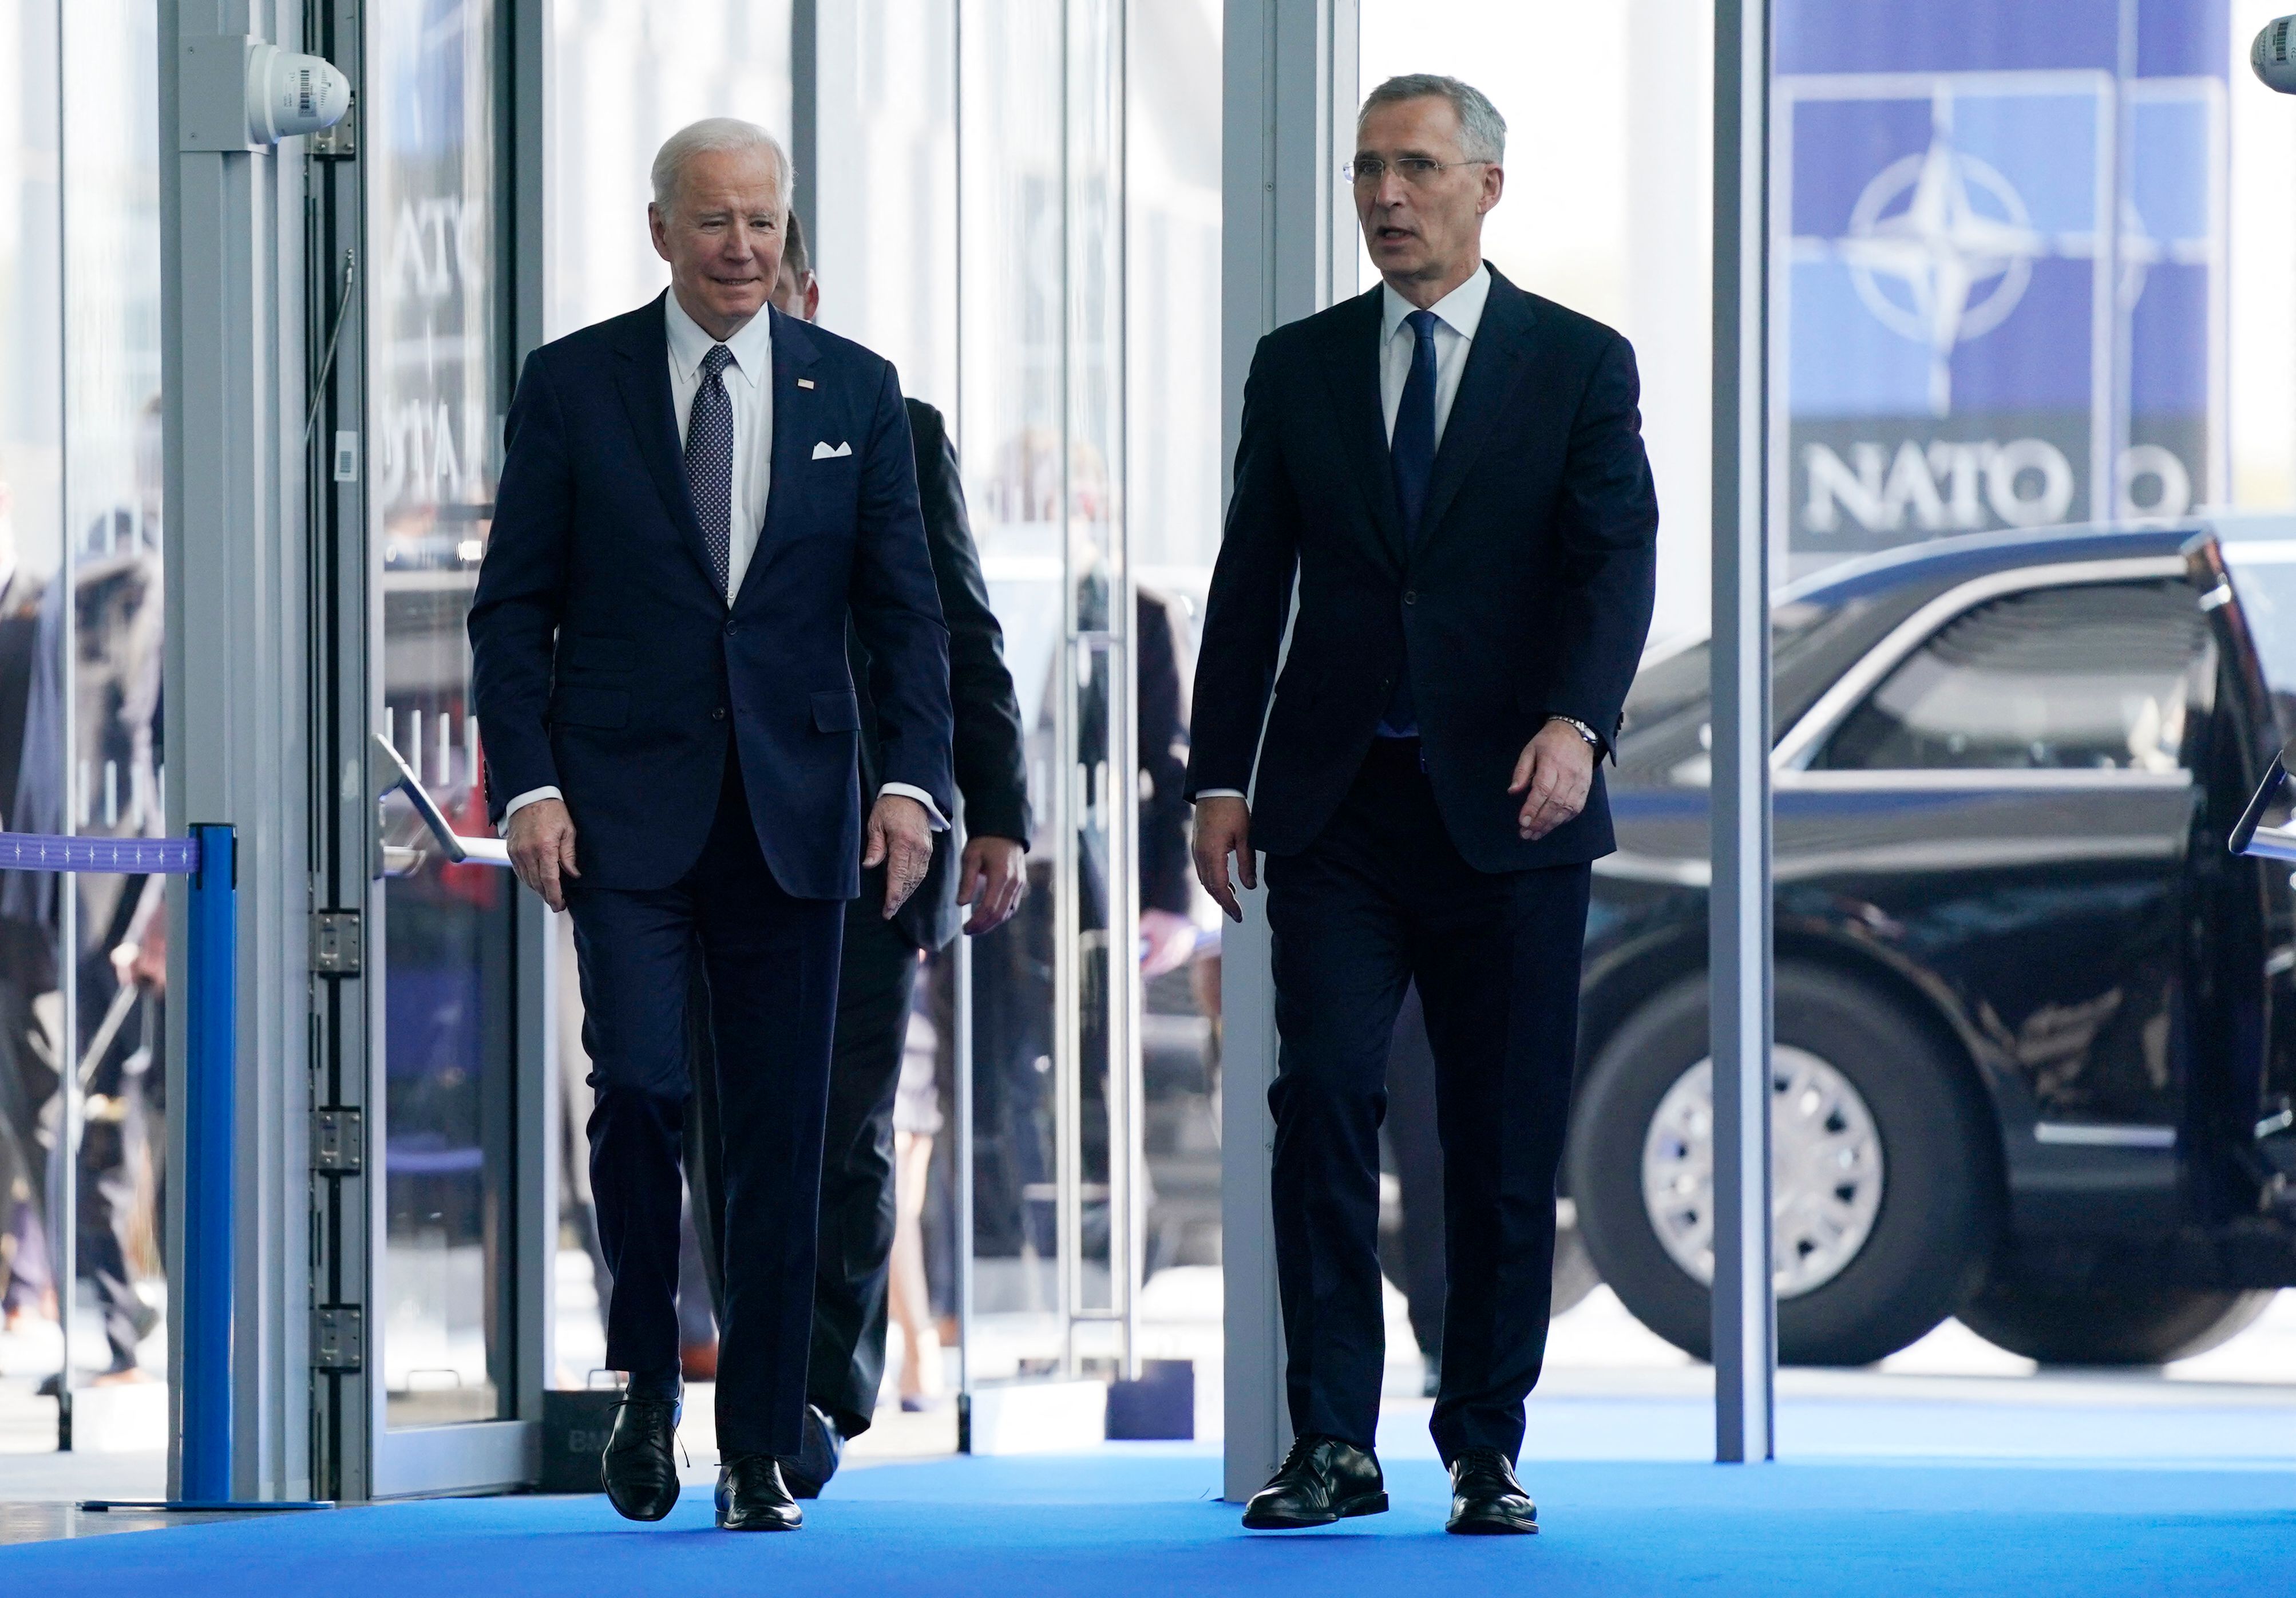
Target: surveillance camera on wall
[[240, 93], [289, 95], [2273, 55]]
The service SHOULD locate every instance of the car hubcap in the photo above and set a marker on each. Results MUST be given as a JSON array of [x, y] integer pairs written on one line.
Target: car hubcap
[[1825, 1172]]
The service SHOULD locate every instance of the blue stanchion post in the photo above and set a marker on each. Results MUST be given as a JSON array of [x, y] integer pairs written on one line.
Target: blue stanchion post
[[212, 1035]]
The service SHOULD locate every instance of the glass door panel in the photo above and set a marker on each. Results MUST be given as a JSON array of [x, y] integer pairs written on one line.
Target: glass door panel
[[444, 1288], [1054, 1212], [1012, 246]]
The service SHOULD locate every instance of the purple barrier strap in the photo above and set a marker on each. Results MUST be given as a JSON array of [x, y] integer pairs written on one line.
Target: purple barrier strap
[[35, 851]]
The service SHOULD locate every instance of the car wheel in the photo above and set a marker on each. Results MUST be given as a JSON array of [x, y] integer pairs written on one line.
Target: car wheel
[[2116, 1325], [1885, 1196]]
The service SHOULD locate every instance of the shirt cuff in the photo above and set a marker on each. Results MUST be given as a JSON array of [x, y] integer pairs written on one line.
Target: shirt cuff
[[1204, 793], [933, 817], [530, 796]]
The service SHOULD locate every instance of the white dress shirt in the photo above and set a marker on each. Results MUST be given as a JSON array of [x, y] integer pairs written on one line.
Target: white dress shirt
[[1457, 315], [748, 379]]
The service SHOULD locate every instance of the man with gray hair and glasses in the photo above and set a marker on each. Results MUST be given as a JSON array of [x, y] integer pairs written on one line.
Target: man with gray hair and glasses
[[1451, 472], [695, 495]]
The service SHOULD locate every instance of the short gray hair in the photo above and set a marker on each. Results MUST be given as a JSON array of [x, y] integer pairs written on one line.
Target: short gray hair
[[1482, 131], [710, 135]]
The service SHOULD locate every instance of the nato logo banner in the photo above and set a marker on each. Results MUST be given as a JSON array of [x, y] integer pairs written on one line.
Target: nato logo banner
[[1997, 248]]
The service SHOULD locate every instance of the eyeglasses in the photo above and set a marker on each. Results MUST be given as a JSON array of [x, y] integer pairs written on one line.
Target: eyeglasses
[[1417, 170]]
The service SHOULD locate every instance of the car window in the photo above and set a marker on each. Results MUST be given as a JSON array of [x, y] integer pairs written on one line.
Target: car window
[[1667, 735], [2093, 677]]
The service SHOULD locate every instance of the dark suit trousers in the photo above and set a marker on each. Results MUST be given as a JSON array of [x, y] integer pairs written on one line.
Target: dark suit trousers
[[770, 961], [857, 1208], [1379, 899]]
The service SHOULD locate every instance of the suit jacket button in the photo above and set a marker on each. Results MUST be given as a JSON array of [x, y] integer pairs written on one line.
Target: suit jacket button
[[718, 714], [1410, 597], [732, 628]]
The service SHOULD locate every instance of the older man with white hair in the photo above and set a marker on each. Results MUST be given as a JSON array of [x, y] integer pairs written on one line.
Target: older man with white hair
[[695, 496]]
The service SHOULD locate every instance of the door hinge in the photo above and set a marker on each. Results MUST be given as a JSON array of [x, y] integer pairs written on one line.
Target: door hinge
[[338, 1342], [338, 1141], [335, 944], [340, 141]]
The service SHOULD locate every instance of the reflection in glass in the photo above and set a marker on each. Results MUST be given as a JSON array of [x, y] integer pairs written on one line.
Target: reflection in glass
[[437, 368], [2088, 678], [81, 611]]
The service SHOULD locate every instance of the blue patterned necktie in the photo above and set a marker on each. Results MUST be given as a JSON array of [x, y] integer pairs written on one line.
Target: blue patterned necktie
[[1411, 458], [710, 462]]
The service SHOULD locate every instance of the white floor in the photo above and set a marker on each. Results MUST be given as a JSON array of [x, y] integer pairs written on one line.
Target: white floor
[[1612, 1390]]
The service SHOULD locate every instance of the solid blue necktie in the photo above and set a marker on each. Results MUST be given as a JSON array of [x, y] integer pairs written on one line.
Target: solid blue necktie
[[1411, 456], [710, 462]]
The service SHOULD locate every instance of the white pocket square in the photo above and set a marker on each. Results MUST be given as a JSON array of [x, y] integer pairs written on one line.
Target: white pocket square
[[822, 452]]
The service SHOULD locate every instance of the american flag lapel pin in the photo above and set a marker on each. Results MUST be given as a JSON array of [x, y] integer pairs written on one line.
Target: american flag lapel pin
[[805, 382]]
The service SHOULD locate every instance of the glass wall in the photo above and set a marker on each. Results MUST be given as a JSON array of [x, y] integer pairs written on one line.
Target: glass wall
[[1174, 500], [624, 75], [83, 959], [438, 370], [2011, 245], [1011, 199]]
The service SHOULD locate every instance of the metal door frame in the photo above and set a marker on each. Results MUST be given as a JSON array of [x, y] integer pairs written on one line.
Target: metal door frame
[[357, 1456]]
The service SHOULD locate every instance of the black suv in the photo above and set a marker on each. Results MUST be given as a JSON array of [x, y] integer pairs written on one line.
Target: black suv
[[2035, 1045]]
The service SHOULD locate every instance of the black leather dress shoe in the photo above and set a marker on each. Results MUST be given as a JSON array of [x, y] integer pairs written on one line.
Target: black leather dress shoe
[[1486, 1499], [1322, 1480], [751, 1496], [640, 1478], [816, 1457]]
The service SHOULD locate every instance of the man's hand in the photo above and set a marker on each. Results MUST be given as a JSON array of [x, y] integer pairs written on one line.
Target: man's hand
[[1168, 939], [1224, 828], [542, 849], [900, 840], [1554, 774], [991, 878], [144, 960]]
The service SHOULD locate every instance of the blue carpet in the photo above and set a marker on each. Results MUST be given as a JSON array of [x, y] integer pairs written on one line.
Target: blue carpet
[[1139, 1520]]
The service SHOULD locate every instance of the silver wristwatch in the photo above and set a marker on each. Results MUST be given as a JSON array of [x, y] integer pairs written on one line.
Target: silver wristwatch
[[1579, 727]]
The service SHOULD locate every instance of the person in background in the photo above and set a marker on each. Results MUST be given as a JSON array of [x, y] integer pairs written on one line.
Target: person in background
[[872, 1165], [27, 969], [1451, 473]]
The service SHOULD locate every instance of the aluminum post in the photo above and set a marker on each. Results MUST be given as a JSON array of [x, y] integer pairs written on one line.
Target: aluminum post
[[1745, 1307]]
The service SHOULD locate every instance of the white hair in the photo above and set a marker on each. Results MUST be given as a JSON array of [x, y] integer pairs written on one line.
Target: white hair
[[1482, 131], [710, 135]]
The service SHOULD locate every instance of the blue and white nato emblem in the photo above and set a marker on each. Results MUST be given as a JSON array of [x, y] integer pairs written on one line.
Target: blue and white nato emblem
[[1965, 344]]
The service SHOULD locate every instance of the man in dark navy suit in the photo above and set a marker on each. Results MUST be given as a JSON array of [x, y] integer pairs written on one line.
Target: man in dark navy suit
[[695, 495], [1453, 472]]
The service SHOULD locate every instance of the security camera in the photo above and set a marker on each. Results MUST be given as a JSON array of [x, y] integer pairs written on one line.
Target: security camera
[[2273, 55], [290, 94], [236, 93]]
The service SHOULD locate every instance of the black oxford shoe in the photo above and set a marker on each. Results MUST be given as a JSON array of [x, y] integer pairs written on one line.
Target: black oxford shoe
[[816, 1457], [752, 1498], [641, 1480], [1486, 1499], [1323, 1479]]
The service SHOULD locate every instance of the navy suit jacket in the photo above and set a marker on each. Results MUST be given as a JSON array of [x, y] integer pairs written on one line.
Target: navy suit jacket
[[605, 662], [1525, 592]]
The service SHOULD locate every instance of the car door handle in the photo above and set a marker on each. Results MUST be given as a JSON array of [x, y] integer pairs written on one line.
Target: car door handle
[[2250, 836]]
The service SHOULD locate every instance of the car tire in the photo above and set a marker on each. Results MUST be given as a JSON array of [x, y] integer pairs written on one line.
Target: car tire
[[1939, 1199], [2116, 1325]]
